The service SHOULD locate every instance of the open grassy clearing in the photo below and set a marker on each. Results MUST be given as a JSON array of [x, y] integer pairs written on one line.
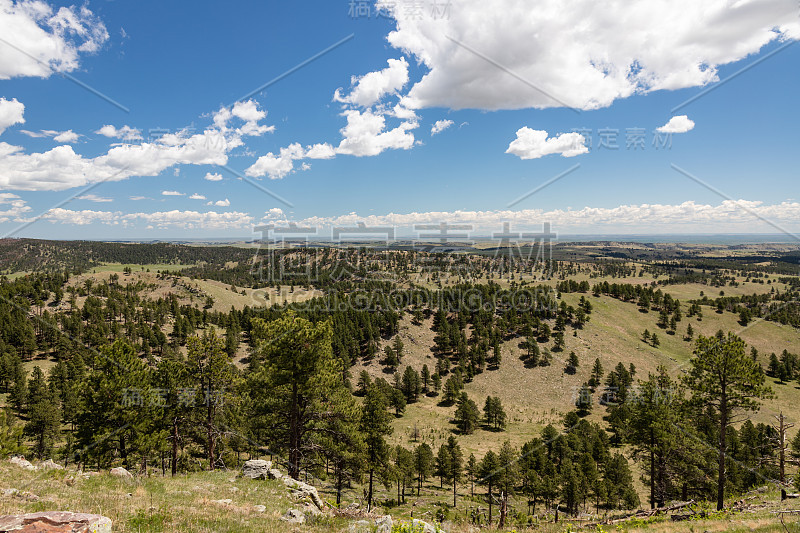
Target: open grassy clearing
[[534, 397]]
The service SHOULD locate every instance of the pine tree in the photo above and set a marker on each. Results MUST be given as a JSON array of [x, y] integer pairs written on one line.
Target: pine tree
[[375, 426], [572, 363], [402, 471], [583, 402], [452, 389], [507, 477], [37, 387], [471, 469], [494, 413], [467, 415], [426, 378], [11, 435], [44, 422], [661, 436], [398, 345], [597, 374], [423, 464], [19, 388], [496, 354], [654, 341], [436, 380], [115, 415], [725, 379], [364, 383], [410, 384], [488, 472], [456, 461], [558, 341], [211, 368], [390, 358], [299, 384], [172, 377], [443, 466]]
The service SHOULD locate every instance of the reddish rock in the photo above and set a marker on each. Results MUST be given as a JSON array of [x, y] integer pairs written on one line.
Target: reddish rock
[[55, 522]]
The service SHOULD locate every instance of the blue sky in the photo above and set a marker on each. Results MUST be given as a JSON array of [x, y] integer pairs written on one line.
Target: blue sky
[[502, 74]]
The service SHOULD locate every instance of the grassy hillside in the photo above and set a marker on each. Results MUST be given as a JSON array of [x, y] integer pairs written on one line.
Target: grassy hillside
[[534, 397], [191, 504]]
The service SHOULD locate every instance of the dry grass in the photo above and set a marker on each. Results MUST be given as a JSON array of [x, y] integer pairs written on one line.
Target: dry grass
[[156, 504]]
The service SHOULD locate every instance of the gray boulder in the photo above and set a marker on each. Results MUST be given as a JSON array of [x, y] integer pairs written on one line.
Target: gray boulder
[[121, 473], [384, 524], [256, 469], [61, 521]]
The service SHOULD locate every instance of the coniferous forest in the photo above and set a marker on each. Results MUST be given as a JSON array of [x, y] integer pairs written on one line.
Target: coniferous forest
[[392, 376]]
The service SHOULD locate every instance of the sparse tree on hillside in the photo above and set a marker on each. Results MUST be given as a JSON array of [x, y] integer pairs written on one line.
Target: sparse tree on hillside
[[724, 378], [467, 415]]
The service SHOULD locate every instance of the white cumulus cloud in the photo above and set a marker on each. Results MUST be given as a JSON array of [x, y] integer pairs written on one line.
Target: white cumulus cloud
[[689, 217], [11, 112], [126, 133], [68, 136], [62, 168], [440, 125], [221, 203], [246, 111], [46, 41], [192, 220], [677, 124], [197, 196], [171, 193], [533, 144], [370, 88], [17, 207], [366, 135], [512, 54]]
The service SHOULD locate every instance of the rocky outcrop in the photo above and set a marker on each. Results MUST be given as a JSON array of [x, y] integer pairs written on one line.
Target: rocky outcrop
[[50, 465], [24, 495], [21, 462], [55, 522], [260, 469], [304, 492]]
